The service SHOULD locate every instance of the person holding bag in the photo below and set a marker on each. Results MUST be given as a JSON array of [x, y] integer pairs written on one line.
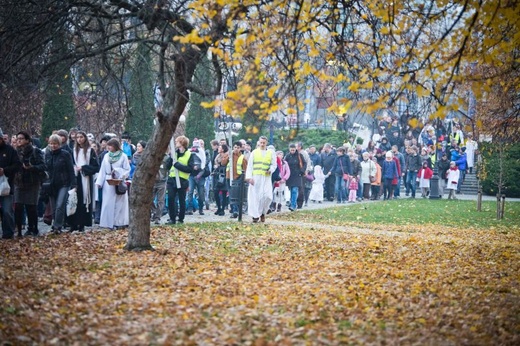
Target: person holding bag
[[115, 165], [342, 168], [9, 165], [219, 178], [27, 183], [61, 179], [368, 174], [85, 167]]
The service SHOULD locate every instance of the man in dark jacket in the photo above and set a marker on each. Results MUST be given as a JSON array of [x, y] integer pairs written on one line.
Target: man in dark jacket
[[9, 165], [413, 164], [444, 165], [328, 156]]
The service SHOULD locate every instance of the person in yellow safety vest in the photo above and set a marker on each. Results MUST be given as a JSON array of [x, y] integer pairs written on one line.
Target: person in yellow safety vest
[[180, 165], [239, 168], [261, 164]]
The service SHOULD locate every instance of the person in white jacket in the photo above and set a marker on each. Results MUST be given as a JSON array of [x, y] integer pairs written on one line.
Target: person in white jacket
[[452, 175]]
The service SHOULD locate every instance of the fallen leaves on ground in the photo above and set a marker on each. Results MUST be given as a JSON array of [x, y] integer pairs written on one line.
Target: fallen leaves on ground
[[264, 284]]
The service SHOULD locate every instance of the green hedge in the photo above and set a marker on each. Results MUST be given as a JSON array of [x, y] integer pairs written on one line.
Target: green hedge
[[317, 137], [489, 171]]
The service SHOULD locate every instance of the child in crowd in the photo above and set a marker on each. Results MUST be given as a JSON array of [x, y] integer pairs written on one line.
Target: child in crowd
[[423, 177], [316, 194], [353, 187]]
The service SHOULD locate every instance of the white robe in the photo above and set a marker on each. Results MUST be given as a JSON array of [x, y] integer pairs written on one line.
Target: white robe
[[471, 146], [260, 195], [114, 208], [316, 193], [453, 178]]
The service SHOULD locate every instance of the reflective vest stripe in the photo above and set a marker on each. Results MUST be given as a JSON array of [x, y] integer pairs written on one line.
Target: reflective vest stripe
[[261, 164], [184, 160], [239, 164]]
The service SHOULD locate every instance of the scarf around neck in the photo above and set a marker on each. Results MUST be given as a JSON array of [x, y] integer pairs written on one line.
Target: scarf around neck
[[113, 157]]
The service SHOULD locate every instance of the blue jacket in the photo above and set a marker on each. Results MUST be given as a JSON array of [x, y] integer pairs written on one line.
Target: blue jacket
[[389, 170], [461, 162]]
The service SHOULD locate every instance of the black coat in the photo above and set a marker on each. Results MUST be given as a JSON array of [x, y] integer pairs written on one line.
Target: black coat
[[342, 165], [327, 161], [33, 175], [60, 169], [10, 162], [298, 166], [83, 215]]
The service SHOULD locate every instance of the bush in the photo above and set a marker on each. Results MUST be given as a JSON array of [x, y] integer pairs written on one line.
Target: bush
[[490, 170], [282, 138]]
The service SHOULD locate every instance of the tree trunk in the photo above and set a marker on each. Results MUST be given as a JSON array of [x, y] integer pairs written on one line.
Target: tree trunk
[[140, 199]]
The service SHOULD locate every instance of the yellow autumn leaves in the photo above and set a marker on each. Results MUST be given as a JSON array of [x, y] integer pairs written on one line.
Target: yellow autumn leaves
[[241, 284]]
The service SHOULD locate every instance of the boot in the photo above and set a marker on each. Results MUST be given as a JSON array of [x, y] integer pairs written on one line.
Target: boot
[[201, 212], [279, 208]]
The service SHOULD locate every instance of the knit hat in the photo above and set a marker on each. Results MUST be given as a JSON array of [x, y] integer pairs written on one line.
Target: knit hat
[[379, 151], [389, 154]]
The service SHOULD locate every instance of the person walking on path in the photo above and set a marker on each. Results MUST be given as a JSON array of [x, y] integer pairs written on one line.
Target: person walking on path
[[27, 183], [62, 179], [180, 166], [297, 167], [9, 165], [236, 173], [453, 176], [261, 164], [86, 165], [115, 165]]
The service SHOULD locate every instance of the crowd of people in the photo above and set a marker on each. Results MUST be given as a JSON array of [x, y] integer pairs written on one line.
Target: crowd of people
[[191, 177]]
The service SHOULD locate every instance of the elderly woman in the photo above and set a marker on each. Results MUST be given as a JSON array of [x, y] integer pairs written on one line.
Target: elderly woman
[[61, 179], [368, 169], [115, 164]]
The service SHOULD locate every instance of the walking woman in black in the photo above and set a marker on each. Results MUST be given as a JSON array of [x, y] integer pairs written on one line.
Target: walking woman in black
[[86, 165], [27, 183]]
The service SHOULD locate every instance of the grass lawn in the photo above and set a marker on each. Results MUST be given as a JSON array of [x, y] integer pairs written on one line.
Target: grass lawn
[[403, 212], [337, 281]]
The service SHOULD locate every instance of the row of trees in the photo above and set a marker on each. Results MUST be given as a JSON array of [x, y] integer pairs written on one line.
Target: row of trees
[[264, 53]]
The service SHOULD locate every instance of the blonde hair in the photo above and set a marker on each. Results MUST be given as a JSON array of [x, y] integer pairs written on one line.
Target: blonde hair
[[183, 140], [55, 139]]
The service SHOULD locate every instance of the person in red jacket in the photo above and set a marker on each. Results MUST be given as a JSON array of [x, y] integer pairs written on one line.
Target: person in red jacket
[[423, 177]]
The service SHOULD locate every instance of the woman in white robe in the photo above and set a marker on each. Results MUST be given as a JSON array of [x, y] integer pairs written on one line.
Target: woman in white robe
[[471, 147], [114, 210]]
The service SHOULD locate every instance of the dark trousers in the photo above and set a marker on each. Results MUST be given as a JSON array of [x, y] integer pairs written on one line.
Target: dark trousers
[[388, 188], [301, 194], [175, 210], [375, 191], [32, 217], [329, 187], [7, 216]]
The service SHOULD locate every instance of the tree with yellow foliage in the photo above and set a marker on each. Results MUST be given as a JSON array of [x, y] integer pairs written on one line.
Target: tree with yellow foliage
[[376, 50]]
